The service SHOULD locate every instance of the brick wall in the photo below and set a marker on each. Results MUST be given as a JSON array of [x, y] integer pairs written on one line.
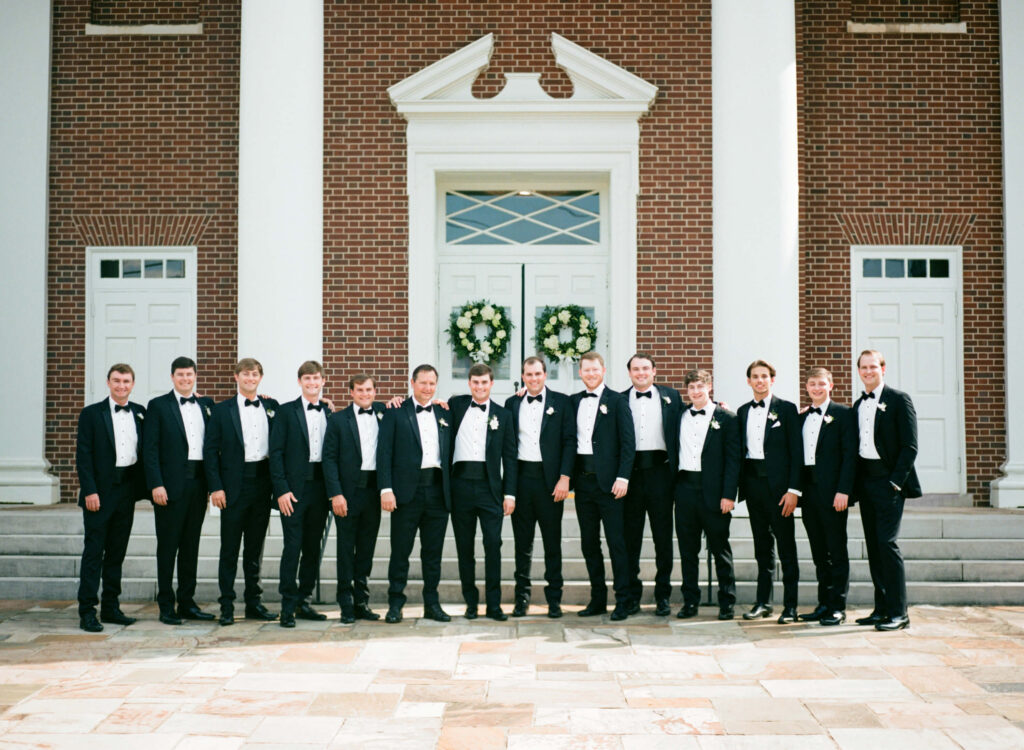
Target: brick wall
[[143, 150], [905, 130]]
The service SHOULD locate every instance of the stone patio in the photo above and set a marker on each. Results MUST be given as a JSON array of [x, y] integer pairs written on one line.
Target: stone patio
[[955, 679]]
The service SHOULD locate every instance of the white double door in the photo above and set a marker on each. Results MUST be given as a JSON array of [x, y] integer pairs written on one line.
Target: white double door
[[524, 290]]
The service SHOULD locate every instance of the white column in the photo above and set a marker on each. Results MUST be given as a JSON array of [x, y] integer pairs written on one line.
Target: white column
[[24, 133], [755, 194], [1008, 491], [280, 189]]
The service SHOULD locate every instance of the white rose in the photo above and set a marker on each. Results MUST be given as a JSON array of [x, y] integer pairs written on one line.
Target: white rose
[[548, 328], [564, 316], [474, 312], [583, 343], [584, 325], [486, 347], [487, 312], [497, 318], [551, 342], [463, 323], [495, 341], [462, 335], [501, 334], [469, 345], [552, 320]]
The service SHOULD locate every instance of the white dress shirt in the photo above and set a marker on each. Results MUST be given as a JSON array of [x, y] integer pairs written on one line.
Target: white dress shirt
[[429, 439], [195, 427], [866, 424], [471, 442], [126, 437], [757, 423], [316, 428], [531, 416], [811, 430], [647, 422], [367, 425], [586, 416], [255, 429], [693, 430]]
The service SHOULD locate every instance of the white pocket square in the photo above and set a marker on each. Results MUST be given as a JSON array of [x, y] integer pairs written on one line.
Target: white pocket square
[[777, 424]]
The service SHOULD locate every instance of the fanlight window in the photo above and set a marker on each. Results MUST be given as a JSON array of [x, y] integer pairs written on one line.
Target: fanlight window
[[525, 217]]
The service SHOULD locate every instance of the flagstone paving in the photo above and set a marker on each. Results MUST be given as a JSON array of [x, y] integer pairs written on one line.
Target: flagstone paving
[[955, 679]]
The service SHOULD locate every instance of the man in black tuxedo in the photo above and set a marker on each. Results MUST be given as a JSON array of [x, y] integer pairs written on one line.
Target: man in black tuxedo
[[350, 472], [413, 449], [655, 410], [708, 462], [173, 450], [770, 483], [110, 479], [483, 456], [297, 476], [545, 427], [236, 457], [605, 445], [887, 447], [830, 461]]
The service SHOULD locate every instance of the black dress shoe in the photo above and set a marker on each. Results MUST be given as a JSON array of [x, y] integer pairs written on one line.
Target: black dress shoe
[[873, 619], [363, 612], [834, 618], [726, 613], [621, 612], [194, 613], [169, 618], [90, 624], [227, 617], [287, 619], [435, 613], [306, 612], [688, 611], [758, 611], [554, 611], [820, 611], [116, 617], [592, 610], [259, 612], [521, 608], [348, 615], [633, 608], [470, 613], [662, 608], [393, 615], [788, 615], [496, 614], [894, 623]]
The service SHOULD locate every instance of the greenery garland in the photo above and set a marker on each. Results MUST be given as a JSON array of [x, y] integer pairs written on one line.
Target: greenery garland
[[552, 321], [461, 334]]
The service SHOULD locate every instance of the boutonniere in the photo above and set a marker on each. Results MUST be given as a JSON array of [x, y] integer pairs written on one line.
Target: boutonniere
[[270, 413], [604, 408], [442, 422], [715, 425], [207, 410], [772, 416], [666, 400], [494, 422], [550, 411], [827, 419], [140, 415], [881, 406], [379, 415]]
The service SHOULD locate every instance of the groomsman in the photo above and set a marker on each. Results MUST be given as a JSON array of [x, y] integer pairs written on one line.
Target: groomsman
[[770, 483], [545, 427], [297, 476], [110, 479], [350, 472], [413, 461], [830, 456], [605, 445], [173, 451], [655, 411], [483, 486], [887, 447], [705, 492], [236, 457]]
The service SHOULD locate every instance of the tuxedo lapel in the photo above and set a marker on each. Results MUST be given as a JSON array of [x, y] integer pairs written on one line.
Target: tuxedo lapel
[[176, 411], [352, 420], [768, 423], [300, 416], [108, 422], [414, 425], [236, 420], [137, 419]]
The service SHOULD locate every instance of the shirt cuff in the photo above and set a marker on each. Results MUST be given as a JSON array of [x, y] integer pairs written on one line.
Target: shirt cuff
[[624, 481], [510, 497], [798, 493], [386, 489]]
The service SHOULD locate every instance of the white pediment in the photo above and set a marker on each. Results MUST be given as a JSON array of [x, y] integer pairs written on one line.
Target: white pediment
[[446, 86]]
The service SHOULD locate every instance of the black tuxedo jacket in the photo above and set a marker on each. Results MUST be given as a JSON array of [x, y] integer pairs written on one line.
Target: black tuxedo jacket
[[613, 440], [835, 455], [400, 453], [289, 447], [224, 446], [96, 452], [501, 449], [166, 447], [343, 452], [720, 458], [671, 411], [783, 445], [557, 434], [896, 438]]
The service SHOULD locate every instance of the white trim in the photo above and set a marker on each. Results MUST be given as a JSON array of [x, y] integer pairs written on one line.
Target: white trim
[[857, 27], [144, 29]]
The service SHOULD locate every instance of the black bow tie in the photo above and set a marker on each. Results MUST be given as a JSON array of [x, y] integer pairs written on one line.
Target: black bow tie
[[364, 411], [589, 395], [695, 412], [645, 394], [314, 407], [865, 394], [190, 400], [118, 407], [757, 405], [481, 407], [419, 408], [814, 410], [254, 402], [531, 399]]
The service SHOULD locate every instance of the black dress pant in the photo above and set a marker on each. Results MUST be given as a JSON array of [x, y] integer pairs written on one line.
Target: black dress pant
[[826, 531], [471, 501], [425, 512], [694, 517], [881, 511], [357, 540], [303, 533], [244, 518], [770, 528], [535, 506], [106, 541], [594, 508], [650, 495], [179, 525]]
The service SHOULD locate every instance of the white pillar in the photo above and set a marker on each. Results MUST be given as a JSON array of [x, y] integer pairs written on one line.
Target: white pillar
[[280, 189], [24, 133], [1008, 491], [755, 194]]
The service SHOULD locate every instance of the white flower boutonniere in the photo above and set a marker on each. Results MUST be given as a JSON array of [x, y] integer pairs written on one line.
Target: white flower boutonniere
[[828, 418], [379, 415], [772, 416], [881, 406], [493, 424], [442, 422], [666, 400], [270, 413], [550, 411], [715, 425], [140, 415], [207, 411], [604, 408]]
